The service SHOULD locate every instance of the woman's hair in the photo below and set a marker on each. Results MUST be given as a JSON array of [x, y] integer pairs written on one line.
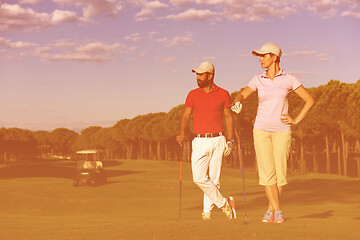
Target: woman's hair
[[277, 59]]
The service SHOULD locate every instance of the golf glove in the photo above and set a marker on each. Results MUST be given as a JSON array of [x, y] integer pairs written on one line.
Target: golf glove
[[228, 147], [236, 107]]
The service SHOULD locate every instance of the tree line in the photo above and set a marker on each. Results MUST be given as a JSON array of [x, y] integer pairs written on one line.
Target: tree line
[[326, 141]]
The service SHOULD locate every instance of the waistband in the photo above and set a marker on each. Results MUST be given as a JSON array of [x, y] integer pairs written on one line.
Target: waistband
[[209, 135]]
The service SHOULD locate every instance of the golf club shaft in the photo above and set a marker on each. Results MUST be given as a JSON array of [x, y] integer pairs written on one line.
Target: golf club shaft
[[243, 180], [180, 189]]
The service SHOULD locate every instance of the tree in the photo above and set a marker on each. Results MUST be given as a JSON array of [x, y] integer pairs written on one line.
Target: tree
[[43, 143], [18, 145], [62, 140], [119, 134], [87, 139]]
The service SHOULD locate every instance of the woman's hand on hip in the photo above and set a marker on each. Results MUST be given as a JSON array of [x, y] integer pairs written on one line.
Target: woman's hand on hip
[[286, 119]]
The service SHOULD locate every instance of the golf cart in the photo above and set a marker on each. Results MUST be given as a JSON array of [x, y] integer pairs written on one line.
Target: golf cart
[[89, 168]]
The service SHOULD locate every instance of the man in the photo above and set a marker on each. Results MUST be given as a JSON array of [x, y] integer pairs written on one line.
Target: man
[[208, 104]]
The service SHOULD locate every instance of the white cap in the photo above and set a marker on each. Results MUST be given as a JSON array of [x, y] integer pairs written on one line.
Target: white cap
[[269, 47], [205, 67]]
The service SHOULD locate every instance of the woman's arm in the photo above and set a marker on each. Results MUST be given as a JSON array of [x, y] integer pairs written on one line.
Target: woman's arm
[[309, 102], [243, 94], [237, 106]]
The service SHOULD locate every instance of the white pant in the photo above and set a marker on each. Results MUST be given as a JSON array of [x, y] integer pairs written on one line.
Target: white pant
[[206, 161]]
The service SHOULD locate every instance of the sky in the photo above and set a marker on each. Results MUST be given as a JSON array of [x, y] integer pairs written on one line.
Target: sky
[[82, 63]]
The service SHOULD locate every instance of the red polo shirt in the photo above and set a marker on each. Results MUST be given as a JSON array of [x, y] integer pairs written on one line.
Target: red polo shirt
[[208, 109]]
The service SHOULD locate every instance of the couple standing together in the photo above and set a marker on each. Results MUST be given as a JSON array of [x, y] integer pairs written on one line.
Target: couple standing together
[[272, 130]]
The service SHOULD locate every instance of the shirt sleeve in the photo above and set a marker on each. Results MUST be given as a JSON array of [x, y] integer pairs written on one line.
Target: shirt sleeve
[[253, 83], [295, 83]]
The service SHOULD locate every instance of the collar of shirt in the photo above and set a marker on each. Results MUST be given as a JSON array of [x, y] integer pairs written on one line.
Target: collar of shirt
[[281, 72], [213, 90]]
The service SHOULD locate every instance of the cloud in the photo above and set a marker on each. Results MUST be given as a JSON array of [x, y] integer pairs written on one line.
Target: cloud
[[325, 8], [130, 49], [302, 74], [258, 11], [21, 44], [262, 10], [301, 53], [95, 52], [192, 15], [30, 1], [323, 57], [350, 14], [180, 3], [63, 43], [91, 8], [18, 17], [91, 52], [318, 56], [162, 40], [15, 17], [152, 34], [177, 40], [149, 9], [42, 51], [3, 42], [59, 16], [210, 58], [15, 45], [169, 60], [82, 57], [98, 48], [135, 37]]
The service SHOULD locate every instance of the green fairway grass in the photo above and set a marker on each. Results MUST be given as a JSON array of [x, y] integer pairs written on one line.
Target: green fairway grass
[[141, 201]]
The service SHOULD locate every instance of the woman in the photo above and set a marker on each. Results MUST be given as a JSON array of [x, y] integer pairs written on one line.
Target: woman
[[272, 127]]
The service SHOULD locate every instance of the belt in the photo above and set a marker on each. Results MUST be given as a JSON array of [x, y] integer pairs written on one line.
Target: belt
[[209, 135]]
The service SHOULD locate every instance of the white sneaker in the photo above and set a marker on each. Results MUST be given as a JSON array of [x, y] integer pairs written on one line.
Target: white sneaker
[[228, 209], [206, 215], [232, 205]]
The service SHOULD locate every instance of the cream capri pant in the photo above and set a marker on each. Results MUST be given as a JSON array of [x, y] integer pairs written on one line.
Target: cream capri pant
[[206, 162], [272, 151]]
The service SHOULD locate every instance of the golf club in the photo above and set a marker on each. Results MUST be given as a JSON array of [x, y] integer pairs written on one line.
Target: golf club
[[180, 188], [242, 170]]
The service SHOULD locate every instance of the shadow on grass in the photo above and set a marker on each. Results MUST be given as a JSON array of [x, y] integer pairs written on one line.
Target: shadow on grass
[[320, 215], [61, 169], [239, 199], [313, 192], [309, 191], [72, 163]]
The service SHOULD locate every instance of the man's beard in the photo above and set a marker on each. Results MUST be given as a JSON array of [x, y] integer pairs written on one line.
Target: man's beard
[[204, 83]]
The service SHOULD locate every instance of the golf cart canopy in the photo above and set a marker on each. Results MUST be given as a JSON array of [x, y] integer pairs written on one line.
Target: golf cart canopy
[[91, 151]]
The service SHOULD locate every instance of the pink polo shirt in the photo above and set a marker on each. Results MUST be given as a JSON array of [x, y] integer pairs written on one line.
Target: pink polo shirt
[[273, 100]]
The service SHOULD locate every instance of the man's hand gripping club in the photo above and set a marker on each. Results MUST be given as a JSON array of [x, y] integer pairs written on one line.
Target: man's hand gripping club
[[229, 147]]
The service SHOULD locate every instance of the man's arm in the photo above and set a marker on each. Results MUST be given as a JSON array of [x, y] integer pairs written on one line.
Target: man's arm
[[184, 125], [229, 126], [229, 123]]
